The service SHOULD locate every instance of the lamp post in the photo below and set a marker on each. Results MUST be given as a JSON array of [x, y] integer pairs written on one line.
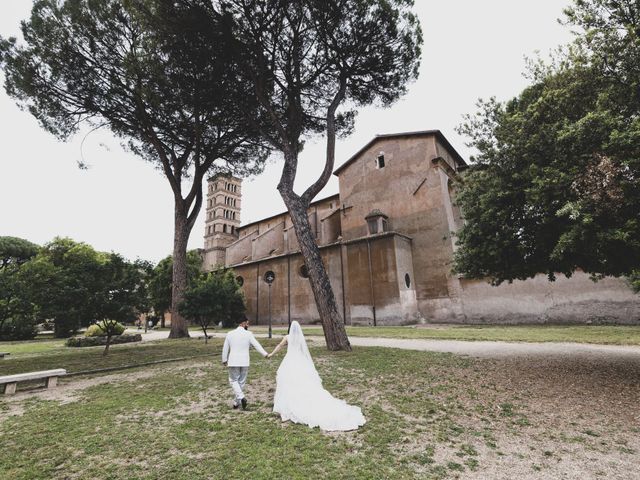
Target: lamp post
[[269, 277]]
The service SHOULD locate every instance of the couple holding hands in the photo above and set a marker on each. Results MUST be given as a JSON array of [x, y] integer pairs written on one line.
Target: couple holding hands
[[300, 396]]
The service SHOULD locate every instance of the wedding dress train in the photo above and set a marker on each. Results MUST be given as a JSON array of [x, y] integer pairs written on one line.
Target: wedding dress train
[[300, 396]]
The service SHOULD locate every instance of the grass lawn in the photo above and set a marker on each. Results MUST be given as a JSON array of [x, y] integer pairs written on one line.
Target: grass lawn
[[429, 415], [600, 334], [34, 347], [45, 355]]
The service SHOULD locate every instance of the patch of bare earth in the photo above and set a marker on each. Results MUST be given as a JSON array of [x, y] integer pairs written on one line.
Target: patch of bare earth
[[540, 418], [70, 390], [67, 391]]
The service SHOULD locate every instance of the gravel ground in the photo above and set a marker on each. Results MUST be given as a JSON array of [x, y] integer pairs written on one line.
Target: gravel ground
[[480, 349]]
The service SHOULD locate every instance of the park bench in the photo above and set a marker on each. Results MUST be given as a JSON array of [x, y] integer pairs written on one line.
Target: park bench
[[2, 354], [9, 382]]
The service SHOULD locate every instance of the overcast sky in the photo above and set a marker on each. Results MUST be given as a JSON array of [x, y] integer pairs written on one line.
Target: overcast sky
[[471, 50]]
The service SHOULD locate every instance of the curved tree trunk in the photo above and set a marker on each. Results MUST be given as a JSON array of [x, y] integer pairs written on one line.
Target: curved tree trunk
[[179, 328], [333, 325]]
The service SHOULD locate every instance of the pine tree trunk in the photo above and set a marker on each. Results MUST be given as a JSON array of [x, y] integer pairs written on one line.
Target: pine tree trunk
[[333, 325], [179, 327]]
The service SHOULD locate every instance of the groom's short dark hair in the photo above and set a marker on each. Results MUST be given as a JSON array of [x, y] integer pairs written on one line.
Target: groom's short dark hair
[[242, 319]]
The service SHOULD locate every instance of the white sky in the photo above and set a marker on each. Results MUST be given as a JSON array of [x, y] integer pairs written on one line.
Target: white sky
[[471, 50]]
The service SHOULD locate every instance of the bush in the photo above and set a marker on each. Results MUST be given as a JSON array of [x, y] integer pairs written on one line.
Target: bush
[[20, 327], [97, 330], [97, 341], [64, 327]]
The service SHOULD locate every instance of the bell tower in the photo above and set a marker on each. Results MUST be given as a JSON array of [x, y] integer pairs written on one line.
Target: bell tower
[[224, 195]]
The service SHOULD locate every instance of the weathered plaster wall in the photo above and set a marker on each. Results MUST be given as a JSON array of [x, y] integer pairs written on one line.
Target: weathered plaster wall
[[241, 248], [567, 300], [270, 242], [409, 190], [291, 295]]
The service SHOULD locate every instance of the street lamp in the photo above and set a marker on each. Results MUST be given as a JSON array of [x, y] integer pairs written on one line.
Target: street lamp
[[269, 277]]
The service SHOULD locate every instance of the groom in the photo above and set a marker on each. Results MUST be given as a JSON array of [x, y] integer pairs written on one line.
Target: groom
[[235, 355]]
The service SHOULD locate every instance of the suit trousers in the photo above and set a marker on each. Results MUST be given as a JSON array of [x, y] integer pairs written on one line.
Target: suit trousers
[[237, 380]]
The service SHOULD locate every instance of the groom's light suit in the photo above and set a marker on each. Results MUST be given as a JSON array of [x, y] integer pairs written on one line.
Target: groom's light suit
[[235, 354]]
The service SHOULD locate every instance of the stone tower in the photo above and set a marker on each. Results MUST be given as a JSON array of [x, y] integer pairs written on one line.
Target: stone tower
[[222, 218]]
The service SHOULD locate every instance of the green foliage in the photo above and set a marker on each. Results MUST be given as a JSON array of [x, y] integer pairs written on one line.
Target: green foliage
[[63, 280], [356, 52], [99, 340], [556, 187], [99, 330], [214, 297], [15, 251], [94, 331], [159, 280], [73, 285], [18, 327], [17, 312], [634, 280], [157, 74]]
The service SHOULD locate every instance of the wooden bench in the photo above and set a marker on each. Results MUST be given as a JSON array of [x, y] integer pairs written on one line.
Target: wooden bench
[[3, 354], [9, 382]]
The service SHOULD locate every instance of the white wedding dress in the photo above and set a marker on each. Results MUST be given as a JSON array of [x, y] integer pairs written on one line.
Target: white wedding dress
[[300, 396]]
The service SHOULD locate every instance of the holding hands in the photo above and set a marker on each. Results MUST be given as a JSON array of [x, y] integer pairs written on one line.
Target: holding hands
[[280, 345]]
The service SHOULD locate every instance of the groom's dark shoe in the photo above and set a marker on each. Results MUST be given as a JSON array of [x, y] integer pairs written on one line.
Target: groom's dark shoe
[[235, 406], [244, 403]]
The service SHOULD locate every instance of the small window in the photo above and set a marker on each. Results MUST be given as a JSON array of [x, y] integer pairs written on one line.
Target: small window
[[380, 160], [303, 271], [407, 280], [373, 225], [240, 280]]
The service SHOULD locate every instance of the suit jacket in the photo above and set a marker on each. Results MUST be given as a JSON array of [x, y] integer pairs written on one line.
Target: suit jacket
[[236, 347]]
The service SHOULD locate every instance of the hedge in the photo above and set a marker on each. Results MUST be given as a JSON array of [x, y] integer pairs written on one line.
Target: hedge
[[96, 341]]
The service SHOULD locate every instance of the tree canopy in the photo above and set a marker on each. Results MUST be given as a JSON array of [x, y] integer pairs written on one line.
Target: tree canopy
[[556, 185], [73, 285], [121, 295], [214, 298], [15, 251], [158, 74], [159, 281]]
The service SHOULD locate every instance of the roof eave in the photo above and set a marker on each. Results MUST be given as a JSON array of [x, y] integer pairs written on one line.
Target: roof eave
[[375, 139]]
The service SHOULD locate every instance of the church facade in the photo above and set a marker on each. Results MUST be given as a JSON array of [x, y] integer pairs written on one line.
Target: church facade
[[387, 240]]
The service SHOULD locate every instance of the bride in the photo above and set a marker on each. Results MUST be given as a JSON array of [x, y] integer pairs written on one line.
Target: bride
[[300, 396]]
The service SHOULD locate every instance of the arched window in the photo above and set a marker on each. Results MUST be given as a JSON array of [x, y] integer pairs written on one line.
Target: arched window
[[380, 160]]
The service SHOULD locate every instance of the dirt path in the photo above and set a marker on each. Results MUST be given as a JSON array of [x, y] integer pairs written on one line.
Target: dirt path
[[482, 349]]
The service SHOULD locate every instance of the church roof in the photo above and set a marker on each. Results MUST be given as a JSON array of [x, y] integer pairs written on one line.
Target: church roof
[[271, 217], [438, 134]]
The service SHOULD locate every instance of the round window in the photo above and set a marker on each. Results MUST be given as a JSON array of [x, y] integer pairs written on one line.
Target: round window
[[407, 280], [269, 277], [303, 271]]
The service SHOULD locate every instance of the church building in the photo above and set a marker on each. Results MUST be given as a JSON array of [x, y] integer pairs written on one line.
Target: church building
[[387, 240]]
